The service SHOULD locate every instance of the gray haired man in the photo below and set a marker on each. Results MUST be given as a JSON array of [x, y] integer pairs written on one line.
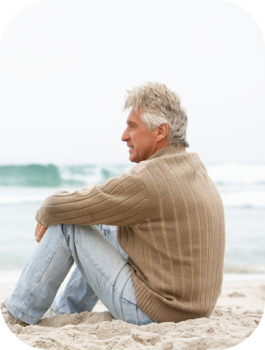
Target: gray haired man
[[149, 243]]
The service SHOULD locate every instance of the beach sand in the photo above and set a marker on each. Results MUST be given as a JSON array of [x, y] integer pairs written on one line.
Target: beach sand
[[237, 314]]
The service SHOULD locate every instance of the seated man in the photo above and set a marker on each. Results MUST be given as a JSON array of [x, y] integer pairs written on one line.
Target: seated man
[[163, 262]]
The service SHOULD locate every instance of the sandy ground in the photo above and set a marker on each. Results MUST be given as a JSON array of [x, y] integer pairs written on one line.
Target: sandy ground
[[236, 316]]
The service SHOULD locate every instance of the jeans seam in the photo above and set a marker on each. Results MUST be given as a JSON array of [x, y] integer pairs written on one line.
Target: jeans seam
[[92, 262], [34, 287], [129, 302], [59, 307], [122, 291]]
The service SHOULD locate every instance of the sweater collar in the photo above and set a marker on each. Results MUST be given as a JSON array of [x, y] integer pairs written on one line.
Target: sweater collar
[[169, 150]]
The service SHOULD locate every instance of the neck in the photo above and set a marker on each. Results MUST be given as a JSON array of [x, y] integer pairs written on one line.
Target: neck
[[161, 144]]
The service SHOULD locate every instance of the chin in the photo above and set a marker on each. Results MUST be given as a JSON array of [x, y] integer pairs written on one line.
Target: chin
[[133, 160], [134, 157]]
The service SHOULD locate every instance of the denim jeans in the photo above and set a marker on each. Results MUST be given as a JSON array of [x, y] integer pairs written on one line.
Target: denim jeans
[[102, 272]]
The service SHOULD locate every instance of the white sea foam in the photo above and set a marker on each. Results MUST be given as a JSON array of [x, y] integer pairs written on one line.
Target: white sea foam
[[87, 175], [95, 174]]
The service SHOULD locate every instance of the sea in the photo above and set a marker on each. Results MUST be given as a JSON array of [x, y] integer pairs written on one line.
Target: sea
[[24, 187]]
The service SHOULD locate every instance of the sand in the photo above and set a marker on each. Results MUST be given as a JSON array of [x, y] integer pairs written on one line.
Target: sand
[[236, 316]]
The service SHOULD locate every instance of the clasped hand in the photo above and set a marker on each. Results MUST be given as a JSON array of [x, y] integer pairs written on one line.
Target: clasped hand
[[39, 232]]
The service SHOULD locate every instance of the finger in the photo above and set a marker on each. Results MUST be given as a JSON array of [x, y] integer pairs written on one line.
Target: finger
[[38, 237], [37, 230], [40, 228], [40, 233]]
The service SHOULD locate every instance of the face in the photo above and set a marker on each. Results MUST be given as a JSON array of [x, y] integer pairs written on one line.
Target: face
[[142, 142]]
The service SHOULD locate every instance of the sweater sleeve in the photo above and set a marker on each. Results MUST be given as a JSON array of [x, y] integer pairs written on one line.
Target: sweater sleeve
[[119, 201]]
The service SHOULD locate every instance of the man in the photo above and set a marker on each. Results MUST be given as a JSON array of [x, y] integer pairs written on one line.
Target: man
[[163, 262]]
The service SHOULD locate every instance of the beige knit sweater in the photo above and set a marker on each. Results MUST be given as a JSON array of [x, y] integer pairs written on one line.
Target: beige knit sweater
[[170, 222]]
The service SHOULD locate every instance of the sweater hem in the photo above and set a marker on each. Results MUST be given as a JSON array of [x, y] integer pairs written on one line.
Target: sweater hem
[[159, 311]]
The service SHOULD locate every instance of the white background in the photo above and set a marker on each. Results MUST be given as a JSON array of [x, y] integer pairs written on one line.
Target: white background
[[65, 67]]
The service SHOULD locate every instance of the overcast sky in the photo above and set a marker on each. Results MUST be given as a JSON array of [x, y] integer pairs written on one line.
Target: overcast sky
[[65, 67]]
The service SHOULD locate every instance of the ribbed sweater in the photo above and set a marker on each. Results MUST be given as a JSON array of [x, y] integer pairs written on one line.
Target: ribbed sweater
[[170, 222]]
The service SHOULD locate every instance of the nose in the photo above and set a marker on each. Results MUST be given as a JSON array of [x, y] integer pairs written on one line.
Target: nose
[[125, 136]]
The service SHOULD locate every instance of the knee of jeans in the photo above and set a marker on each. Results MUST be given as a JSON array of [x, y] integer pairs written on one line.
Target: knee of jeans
[[67, 230]]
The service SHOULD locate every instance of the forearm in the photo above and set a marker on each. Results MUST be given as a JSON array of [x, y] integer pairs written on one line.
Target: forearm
[[119, 201]]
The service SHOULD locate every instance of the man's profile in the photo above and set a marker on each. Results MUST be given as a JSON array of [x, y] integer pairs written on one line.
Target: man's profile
[[149, 243]]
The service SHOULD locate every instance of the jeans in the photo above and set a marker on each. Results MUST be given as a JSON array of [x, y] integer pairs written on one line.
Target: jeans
[[102, 272]]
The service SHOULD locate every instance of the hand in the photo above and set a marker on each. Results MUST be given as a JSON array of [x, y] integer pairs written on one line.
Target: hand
[[39, 232]]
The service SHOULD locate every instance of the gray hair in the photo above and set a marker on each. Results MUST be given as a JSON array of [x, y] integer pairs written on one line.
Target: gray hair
[[159, 105]]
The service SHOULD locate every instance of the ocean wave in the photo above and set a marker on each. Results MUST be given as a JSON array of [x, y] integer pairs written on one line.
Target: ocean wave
[[227, 173], [37, 175], [240, 185], [34, 175]]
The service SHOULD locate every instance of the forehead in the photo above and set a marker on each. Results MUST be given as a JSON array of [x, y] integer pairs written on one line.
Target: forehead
[[134, 117]]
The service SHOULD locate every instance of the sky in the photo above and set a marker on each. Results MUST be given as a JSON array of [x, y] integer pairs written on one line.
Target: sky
[[65, 67]]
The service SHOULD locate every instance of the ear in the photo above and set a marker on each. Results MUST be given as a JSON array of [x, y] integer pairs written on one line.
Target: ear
[[162, 131]]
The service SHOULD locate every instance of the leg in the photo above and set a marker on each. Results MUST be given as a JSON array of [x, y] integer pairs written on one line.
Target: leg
[[41, 277], [78, 296], [106, 271], [102, 266]]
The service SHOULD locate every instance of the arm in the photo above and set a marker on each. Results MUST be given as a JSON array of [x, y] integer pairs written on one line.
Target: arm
[[120, 201]]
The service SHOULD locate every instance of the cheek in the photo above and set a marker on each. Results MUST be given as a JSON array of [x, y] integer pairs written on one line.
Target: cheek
[[142, 140], [138, 141], [135, 138], [147, 139]]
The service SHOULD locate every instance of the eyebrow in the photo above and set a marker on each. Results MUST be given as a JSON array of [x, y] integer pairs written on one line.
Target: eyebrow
[[130, 122]]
